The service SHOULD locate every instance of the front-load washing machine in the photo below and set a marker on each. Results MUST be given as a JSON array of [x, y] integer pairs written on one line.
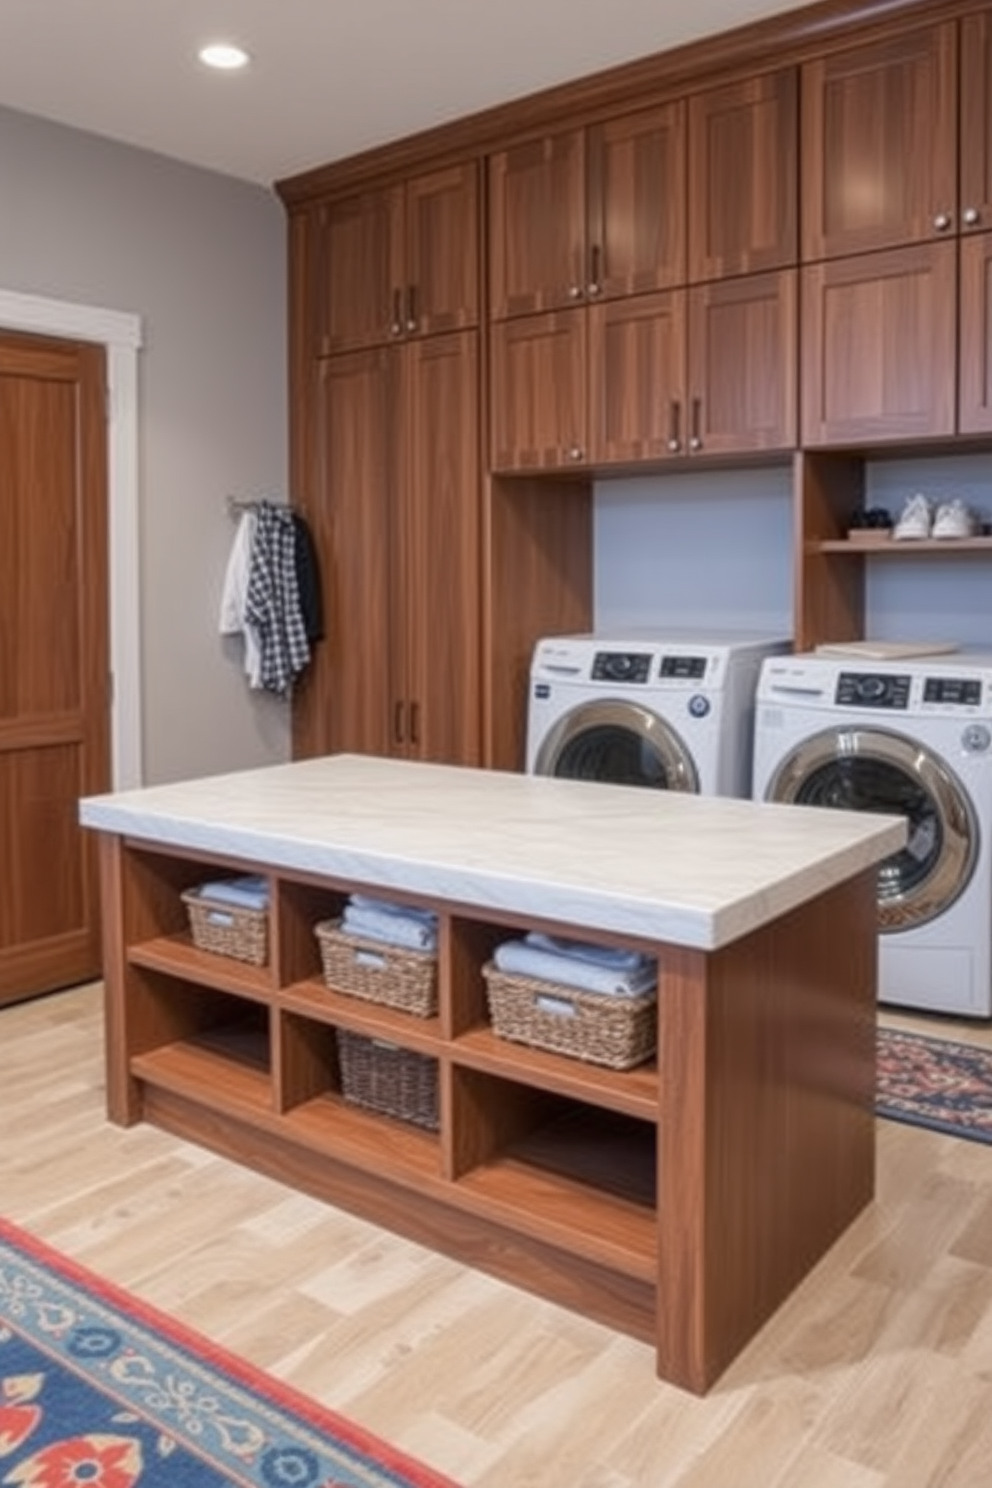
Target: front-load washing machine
[[911, 737], [663, 708]]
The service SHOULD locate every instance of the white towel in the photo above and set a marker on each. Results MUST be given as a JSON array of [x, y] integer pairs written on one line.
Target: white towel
[[516, 956], [391, 929], [235, 594]]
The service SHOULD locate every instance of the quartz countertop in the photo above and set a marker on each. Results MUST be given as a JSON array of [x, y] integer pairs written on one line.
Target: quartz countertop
[[692, 870]]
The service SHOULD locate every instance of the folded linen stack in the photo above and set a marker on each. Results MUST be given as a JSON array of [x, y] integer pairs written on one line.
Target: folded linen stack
[[577, 963], [251, 891], [404, 925]]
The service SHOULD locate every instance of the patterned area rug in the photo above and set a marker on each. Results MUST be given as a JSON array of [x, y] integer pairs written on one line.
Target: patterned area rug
[[936, 1083], [98, 1389]]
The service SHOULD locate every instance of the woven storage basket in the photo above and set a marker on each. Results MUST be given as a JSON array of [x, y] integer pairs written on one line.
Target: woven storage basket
[[383, 1077], [228, 929], [595, 1026], [391, 975]]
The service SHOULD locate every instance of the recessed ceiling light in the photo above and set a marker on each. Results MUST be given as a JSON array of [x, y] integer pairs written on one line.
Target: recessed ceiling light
[[223, 55]]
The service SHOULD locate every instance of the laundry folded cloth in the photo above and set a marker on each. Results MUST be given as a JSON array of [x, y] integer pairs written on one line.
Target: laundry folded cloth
[[248, 892], [411, 931], [584, 950], [521, 959], [387, 906]]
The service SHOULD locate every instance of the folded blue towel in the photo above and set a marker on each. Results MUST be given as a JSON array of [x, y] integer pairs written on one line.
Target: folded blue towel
[[584, 950], [392, 929], [516, 956], [386, 906], [251, 891]]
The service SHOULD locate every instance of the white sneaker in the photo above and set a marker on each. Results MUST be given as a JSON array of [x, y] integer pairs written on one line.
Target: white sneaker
[[916, 519], [953, 519]]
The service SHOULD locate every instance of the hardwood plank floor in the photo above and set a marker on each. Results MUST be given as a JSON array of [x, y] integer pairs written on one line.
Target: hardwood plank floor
[[876, 1373]]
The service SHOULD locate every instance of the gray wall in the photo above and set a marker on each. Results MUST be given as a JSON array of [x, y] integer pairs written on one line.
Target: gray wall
[[200, 258]]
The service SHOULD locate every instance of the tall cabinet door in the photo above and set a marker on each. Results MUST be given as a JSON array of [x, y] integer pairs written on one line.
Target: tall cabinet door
[[438, 560], [345, 703], [743, 173]]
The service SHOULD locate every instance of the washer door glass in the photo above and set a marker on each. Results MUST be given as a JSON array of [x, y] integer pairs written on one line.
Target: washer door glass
[[619, 743], [875, 770]]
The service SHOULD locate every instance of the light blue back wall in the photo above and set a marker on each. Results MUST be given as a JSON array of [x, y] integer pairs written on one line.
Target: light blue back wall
[[715, 549]]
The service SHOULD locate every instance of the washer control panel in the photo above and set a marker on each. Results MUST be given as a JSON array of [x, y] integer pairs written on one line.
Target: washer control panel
[[873, 690], [622, 666]]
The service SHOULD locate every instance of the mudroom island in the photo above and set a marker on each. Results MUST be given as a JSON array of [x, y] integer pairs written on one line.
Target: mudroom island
[[680, 1198]]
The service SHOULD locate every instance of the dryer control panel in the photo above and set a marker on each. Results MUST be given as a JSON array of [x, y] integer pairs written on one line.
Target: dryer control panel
[[872, 690]]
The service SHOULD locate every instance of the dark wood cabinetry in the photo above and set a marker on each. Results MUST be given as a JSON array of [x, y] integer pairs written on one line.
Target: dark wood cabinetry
[[707, 370], [398, 523], [397, 262]]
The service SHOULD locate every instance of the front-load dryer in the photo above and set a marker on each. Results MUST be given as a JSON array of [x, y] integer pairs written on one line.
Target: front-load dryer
[[912, 737], [667, 709]]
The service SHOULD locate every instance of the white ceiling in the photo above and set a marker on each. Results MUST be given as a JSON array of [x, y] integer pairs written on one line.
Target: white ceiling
[[330, 77]]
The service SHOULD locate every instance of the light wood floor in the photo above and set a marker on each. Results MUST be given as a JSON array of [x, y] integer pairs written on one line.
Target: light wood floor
[[877, 1373]]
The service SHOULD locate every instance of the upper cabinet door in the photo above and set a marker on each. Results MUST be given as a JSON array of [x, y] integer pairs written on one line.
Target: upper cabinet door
[[353, 272], [537, 227], [880, 144], [637, 203], [976, 122], [399, 262], [743, 177], [438, 275]]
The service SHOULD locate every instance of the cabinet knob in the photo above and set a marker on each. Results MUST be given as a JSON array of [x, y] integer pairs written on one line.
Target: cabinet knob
[[942, 221], [575, 452], [674, 445], [575, 291], [592, 288], [971, 216], [695, 442]]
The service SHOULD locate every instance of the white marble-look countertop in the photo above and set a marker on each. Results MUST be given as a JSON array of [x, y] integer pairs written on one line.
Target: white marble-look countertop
[[692, 870]]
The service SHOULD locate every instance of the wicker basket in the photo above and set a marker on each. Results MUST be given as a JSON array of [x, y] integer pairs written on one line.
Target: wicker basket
[[595, 1026], [383, 1077], [387, 974], [228, 929]]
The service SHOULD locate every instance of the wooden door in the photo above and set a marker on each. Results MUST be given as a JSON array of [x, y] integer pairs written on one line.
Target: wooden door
[[439, 275], [539, 416], [743, 357], [743, 177], [356, 299], [976, 123], [637, 372], [537, 225], [636, 202], [879, 161], [438, 551], [975, 336], [880, 346], [54, 658], [344, 704]]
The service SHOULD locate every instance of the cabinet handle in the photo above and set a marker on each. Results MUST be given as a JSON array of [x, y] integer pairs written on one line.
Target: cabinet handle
[[411, 308], [398, 723], [971, 216], [414, 723], [396, 324], [695, 441], [942, 221], [594, 286], [674, 426]]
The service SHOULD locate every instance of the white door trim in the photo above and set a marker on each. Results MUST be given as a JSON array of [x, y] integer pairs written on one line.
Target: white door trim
[[120, 334]]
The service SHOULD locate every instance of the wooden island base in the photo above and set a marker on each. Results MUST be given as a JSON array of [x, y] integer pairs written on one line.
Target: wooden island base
[[680, 1202]]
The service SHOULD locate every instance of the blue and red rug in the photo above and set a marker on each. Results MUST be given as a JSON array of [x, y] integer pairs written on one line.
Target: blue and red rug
[[934, 1082], [99, 1390]]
